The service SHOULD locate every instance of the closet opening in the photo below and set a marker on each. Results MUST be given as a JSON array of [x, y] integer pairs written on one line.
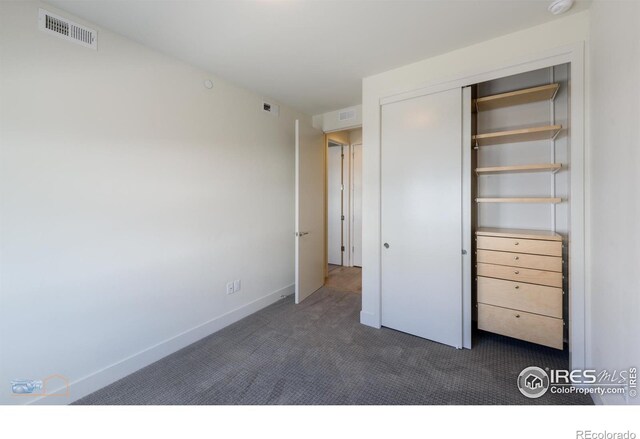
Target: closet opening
[[520, 206]]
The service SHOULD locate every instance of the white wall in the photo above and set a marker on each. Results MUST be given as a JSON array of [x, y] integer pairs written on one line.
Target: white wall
[[130, 195], [485, 56], [330, 120], [614, 211]]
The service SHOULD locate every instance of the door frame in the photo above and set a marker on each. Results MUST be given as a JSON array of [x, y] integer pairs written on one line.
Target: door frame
[[344, 199], [352, 233], [334, 136], [579, 299]]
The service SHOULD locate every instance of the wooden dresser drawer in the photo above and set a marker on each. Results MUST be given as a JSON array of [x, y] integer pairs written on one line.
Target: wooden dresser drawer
[[549, 278], [533, 246], [538, 262], [535, 328], [535, 299]]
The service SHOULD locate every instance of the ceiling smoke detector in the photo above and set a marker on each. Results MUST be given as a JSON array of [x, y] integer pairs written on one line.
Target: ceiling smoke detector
[[558, 7]]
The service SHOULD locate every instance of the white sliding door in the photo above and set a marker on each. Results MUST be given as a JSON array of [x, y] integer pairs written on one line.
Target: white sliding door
[[422, 216]]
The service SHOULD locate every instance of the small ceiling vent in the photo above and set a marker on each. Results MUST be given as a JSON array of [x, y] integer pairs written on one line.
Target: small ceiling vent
[[64, 28], [347, 114]]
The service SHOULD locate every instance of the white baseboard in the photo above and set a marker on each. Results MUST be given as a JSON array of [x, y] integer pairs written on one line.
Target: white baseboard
[[369, 319], [109, 374]]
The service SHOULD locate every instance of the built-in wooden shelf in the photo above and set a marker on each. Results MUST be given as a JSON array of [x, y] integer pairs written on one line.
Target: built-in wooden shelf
[[519, 233], [520, 135], [520, 200], [517, 97], [553, 167]]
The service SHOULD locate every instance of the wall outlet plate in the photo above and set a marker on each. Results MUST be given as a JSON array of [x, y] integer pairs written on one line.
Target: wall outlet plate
[[236, 285], [230, 288]]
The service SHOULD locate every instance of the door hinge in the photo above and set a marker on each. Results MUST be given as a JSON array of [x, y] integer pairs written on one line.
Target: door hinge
[[342, 248], [342, 217], [341, 187]]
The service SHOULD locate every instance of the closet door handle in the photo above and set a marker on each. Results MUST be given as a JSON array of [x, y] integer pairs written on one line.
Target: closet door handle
[[517, 316], [516, 243], [517, 258], [386, 245], [516, 272], [517, 287]]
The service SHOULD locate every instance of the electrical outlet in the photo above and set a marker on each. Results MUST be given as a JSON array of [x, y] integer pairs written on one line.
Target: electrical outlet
[[230, 288], [236, 285]]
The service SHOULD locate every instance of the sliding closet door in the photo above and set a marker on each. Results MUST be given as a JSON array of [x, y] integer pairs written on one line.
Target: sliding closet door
[[422, 216]]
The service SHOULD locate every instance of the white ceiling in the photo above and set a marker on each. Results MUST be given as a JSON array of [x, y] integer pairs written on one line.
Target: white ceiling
[[309, 54]]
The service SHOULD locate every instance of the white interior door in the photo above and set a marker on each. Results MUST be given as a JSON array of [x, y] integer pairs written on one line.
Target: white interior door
[[334, 205], [422, 216], [356, 234], [309, 210]]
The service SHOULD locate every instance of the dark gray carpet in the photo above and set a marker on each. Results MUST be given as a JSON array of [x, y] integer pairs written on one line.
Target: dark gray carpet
[[319, 353]]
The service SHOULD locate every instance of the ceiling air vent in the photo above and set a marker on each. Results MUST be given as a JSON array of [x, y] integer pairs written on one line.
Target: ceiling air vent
[[64, 28], [347, 114], [270, 108]]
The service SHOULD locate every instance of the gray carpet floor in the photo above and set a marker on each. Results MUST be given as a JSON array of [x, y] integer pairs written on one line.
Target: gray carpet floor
[[318, 353]]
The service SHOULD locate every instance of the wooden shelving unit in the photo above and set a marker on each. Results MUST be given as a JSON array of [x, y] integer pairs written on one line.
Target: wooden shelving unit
[[517, 97], [551, 167], [551, 200], [519, 233], [510, 262], [520, 135]]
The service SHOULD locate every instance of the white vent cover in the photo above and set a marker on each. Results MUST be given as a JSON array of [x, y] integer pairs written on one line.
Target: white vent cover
[[64, 28], [270, 108], [347, 114]]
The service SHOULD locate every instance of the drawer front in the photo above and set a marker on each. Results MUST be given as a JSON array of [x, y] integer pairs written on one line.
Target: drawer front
[[548, 278], [522, 325], [536, 299], [533, 246], [548, 263]]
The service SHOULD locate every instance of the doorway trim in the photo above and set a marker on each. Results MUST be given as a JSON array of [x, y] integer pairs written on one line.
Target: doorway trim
[[352, 204], [579, 303], [333, 136]]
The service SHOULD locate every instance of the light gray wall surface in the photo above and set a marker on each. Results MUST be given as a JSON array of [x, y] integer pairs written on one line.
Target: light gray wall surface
[[614, 207], [129, 196]]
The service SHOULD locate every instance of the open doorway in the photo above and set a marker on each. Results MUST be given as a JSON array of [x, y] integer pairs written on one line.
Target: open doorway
[[344, 199]]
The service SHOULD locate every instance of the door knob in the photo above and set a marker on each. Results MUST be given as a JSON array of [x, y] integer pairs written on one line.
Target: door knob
[[386, 245], [302, 233]]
